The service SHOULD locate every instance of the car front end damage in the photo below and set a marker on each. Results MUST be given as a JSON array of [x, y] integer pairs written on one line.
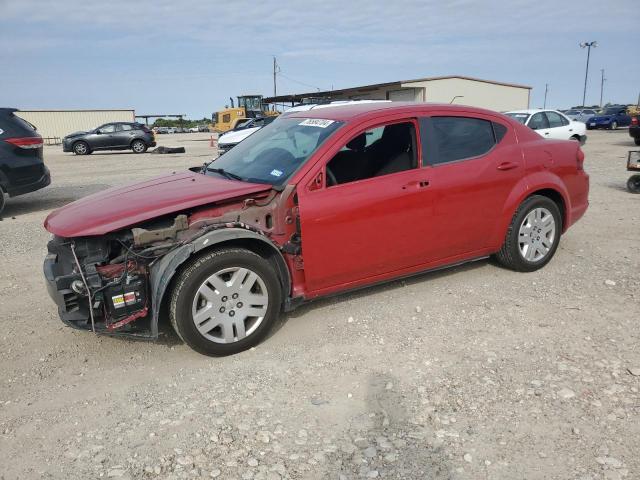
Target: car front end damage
[[115, 284]]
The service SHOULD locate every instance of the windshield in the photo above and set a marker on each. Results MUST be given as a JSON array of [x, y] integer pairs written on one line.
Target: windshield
[[275, 152], [572, 112], [520, 117]]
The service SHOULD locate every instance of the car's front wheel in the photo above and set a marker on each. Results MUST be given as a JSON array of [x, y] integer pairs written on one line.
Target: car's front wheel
[[81, 148], [3, 200], [614, 125], [138, 146], [637, 141], [225, 301], [533, 235]]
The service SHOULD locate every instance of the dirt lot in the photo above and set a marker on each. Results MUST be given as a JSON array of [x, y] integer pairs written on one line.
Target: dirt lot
[[471, 373]]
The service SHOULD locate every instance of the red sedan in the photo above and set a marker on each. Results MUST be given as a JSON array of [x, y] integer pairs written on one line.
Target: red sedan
[[316, 203]]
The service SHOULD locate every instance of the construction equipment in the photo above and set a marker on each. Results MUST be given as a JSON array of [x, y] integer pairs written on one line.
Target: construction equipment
[[249, 106]]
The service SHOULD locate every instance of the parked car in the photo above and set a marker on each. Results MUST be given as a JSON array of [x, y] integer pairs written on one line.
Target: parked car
[[551, 124], [192, 130], [172, 130], [230, 139], [22, 168], [161, 130], [611, 118], [203, 128], [110, 136], [316, 203], [580, 115], [634, 129]]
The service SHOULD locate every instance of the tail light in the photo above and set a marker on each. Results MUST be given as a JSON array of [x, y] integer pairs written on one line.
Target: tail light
[[25, 142], [580, 159], [634, 121]]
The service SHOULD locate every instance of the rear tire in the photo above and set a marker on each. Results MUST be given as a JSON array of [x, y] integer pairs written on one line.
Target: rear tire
[[533, 235], [633, 184], [81, 148], [138, 146], [225, 301], [637, 141]]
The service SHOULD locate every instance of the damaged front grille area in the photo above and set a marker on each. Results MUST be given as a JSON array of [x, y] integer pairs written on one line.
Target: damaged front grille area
[[99, 284]]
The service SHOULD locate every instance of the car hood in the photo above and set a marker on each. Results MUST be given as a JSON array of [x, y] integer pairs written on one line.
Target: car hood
[[75, 134], [235, 137], [121, 207]]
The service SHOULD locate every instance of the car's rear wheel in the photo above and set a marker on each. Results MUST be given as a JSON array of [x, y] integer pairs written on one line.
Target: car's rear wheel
[[633, 184], [138, 146], [81, 148], [225, 301], [533, 235], [614, 125], [637, 141]]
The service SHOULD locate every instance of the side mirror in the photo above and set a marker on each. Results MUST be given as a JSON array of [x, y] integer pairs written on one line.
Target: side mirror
[[98, 132]]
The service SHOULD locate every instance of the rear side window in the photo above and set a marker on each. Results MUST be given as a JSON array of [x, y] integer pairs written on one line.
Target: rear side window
[[21, 123], [458, 138], [555, 120], [125, 127]]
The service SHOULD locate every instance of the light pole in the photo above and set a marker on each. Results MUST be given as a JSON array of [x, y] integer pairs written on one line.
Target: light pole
[[546, 89], [602, 80], [588, 46]]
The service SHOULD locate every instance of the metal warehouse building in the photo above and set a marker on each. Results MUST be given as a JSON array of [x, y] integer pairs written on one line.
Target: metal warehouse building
[[58, 123], [476, 92]]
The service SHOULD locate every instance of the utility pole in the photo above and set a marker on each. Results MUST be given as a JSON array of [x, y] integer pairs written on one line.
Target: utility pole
[[588, 46], [602, 79], [275, 71], [546, 89]]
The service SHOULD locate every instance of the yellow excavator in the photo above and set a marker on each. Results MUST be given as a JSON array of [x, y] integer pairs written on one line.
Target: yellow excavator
[[249, 106]]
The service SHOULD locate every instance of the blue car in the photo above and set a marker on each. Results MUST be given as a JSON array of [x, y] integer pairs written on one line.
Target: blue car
[[611, 118]]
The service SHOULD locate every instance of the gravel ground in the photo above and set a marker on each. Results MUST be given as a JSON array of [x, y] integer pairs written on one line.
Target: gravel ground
[[470, 373]]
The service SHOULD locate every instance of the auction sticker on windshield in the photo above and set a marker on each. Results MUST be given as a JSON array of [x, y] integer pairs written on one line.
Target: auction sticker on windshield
[[316, 122], [276, 173]]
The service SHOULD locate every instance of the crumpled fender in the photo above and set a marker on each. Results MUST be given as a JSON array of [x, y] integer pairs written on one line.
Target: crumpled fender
[[164, 270]]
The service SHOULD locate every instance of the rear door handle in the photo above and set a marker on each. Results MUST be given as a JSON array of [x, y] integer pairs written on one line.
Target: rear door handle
[[507, 166], [416, 183]]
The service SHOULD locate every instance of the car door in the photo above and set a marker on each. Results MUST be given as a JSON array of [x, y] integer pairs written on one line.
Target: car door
[[539, 122], [473, 164], [103, 137], [558, 126], [373, 219], [125, 133]]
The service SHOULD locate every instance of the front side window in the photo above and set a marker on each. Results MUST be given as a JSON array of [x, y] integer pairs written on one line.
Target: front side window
[[538, 121], [376, 152], [459, 138], [275, 152], [519, 117], [110, 128], [555, 120]]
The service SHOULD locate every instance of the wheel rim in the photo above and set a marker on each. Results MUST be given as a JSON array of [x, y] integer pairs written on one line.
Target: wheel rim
[[537, 234], [230, 305], [81, 148], [614, 125], [138, 146]]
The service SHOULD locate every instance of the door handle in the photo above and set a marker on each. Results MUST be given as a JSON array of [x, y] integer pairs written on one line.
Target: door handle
[[546, 133], [507, 166], [416, 183], [571, 129]]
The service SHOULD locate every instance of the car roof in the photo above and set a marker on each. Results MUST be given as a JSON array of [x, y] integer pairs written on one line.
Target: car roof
[[358, 110]]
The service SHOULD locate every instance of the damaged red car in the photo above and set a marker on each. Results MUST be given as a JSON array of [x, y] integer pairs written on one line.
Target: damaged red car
[[316, 203]]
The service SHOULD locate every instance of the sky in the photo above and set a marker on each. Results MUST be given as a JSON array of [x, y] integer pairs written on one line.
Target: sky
[[188, 57]]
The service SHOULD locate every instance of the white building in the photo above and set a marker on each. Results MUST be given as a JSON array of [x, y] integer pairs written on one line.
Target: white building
[[498, 96], [58, 123]]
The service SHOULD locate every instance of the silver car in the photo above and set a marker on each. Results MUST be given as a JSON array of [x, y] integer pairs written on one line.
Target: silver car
[[581, 115]]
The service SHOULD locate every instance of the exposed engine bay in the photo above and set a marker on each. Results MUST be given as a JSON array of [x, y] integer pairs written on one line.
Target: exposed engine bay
[[109, 283]]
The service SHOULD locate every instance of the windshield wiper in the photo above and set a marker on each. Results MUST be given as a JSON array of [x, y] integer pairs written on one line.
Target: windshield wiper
[[225, 174]]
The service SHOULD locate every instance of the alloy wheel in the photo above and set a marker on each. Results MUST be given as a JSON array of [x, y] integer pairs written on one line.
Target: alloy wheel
[[230, 305], [536, 234], [80, 148], [138, 147]]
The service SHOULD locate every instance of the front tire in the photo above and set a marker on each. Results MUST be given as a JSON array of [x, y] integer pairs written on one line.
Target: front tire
[[3, 200], [633, 184], [225, 301], [533, 235], [614, 125], [138, 146], [81, 148], [637, 141]]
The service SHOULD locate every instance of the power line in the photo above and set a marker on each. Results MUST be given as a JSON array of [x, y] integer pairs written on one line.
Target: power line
[[298, 82]]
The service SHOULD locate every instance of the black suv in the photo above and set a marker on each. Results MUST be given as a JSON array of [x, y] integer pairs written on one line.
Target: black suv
[[110, 136], [22, 169]]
